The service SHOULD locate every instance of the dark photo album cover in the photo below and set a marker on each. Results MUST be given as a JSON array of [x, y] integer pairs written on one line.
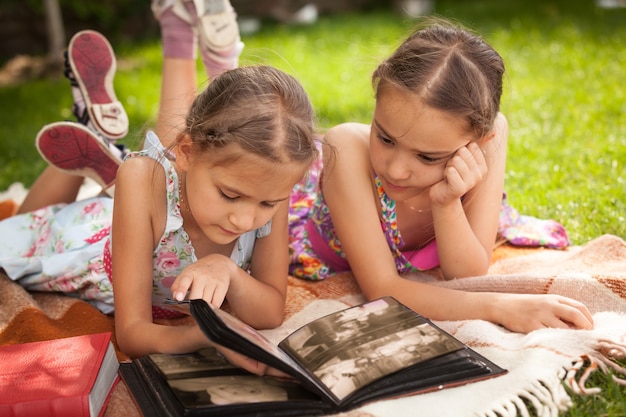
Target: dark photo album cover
[[376, 350]]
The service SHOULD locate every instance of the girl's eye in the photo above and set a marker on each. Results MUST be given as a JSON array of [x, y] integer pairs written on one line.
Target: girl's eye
[[385, 140], [429, 160], [231, 199], [227, 197]]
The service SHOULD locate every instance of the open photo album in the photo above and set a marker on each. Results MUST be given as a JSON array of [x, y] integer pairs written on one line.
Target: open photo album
[[376, 350]]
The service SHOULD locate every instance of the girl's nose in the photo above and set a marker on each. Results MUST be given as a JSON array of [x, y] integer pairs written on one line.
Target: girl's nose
[[243, 218], [397, 168]]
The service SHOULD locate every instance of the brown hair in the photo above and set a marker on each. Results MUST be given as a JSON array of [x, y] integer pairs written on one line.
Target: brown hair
[[262, 109], [450, 69]]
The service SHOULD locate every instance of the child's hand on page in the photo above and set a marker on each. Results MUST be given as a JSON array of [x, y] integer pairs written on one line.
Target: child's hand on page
[[208, 278]]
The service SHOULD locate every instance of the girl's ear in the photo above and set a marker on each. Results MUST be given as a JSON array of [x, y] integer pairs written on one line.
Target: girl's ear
[[485, 139], [184, 151], [500, 129]]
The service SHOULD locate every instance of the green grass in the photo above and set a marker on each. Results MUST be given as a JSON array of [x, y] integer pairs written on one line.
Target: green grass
[[564, 97]]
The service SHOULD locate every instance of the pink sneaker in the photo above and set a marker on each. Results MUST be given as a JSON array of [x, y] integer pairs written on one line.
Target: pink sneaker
[[76, 150], [93, 65]]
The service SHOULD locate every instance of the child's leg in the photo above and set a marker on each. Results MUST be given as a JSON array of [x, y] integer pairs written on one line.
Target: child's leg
[[178, 90], [51, 187], [220, 42], [178, 83], [182, 22]]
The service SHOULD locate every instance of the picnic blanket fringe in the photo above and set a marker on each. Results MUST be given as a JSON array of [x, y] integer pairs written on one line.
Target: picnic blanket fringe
[[549, 397], [603, 358]]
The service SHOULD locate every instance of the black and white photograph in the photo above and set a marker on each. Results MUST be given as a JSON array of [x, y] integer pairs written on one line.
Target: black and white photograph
[[206, 359], [236, 389]]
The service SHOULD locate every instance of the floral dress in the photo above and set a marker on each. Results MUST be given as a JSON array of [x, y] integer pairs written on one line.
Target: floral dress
[[316, 253], [60, 248], [315, 250]]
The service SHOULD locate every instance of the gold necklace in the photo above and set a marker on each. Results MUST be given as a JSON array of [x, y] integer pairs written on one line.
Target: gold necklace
[[181, 192], [416, 210]]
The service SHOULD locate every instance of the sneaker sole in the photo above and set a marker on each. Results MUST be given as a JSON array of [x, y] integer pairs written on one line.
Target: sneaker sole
[[217, 24], [76, 150], [93, 63]]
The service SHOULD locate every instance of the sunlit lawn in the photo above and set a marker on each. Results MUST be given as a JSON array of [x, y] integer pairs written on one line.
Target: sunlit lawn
[[564, 97]]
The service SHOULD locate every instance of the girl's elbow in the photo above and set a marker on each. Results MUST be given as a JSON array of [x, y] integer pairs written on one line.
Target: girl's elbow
[[481, 268], [275, 321], [270, 318], [129, 340], [376, 291], [125, 344], [466, 271], [384, 284], [269, 321]]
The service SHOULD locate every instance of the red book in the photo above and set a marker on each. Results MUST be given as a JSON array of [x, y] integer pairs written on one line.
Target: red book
[[67, 377]]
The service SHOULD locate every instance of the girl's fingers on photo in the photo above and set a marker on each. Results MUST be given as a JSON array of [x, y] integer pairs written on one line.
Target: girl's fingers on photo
[[209, 288], [214, 293], [181, 286]]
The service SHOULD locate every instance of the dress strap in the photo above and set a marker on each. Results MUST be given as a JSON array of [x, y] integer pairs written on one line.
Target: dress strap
[[422, 259], [323, 251]]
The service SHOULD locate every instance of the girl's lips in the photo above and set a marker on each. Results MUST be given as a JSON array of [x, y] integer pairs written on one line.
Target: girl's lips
[[392, 187], [228, 232]]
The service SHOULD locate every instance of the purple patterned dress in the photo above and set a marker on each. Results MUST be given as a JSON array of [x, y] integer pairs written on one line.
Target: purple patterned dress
[[315, 251]]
